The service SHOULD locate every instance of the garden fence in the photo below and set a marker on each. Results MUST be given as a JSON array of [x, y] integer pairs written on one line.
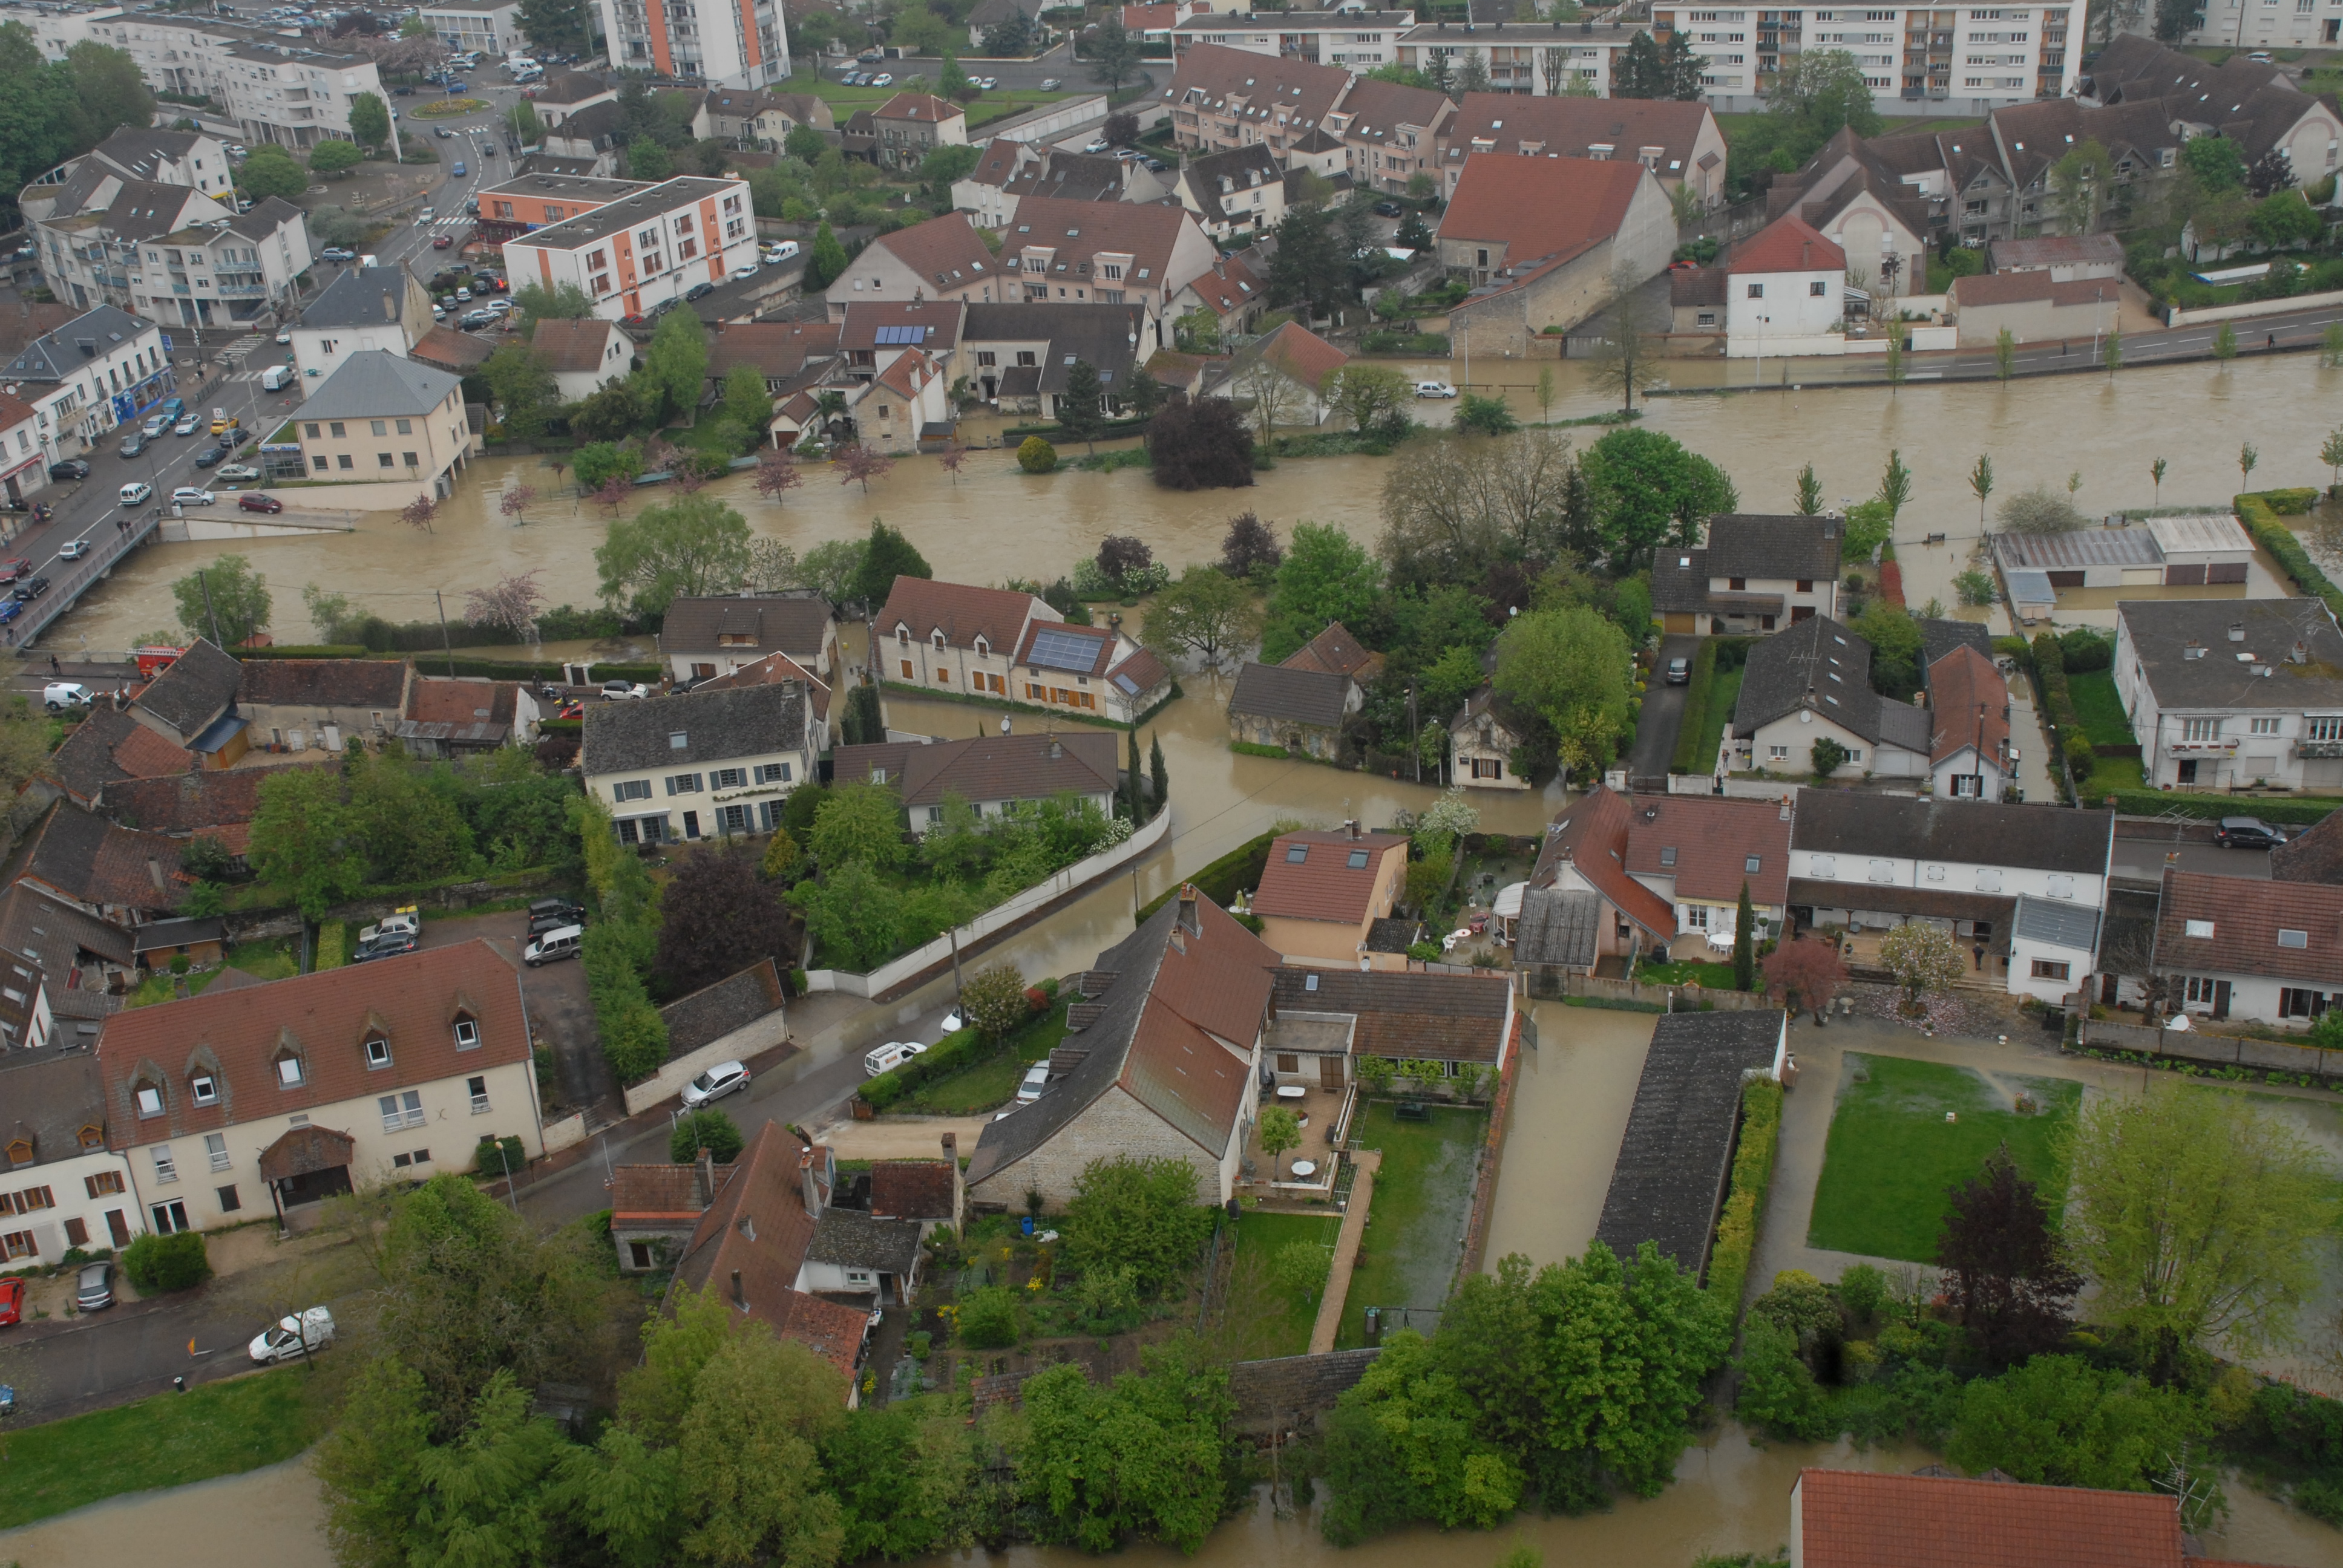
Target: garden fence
[[2216, 1049], [1553, 987]]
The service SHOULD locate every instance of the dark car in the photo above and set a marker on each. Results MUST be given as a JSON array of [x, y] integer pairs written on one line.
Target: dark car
[[402, 91], [72, 469], [10, 608], [442, 241], [234, 435], [10, 570], [253, 501], [700, 291], [211, 455], [384, 946], [636, 320], [1387, 209], [2247, 833], [542, 918], [26, 592], [1679, 672]]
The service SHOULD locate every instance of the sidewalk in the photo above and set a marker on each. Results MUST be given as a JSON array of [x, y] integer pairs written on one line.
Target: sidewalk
[[1346, 1254]]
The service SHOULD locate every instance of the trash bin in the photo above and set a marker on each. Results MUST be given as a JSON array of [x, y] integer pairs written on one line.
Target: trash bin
[[1374, 1327]]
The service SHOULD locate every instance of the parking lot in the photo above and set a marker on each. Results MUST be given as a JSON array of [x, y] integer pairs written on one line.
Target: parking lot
[[560, 1013]]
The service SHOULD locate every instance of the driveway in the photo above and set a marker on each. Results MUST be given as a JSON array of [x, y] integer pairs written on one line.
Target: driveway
[[1662, 715], [559, 1009]]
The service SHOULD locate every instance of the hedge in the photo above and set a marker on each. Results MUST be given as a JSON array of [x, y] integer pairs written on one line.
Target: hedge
[[1753, 1172], [1224, 879], [433, 663], [2212, 807], [1695, 711], [2260, 514], [1254, 748], [965, 1048], [177, 1262], [2050, 671]]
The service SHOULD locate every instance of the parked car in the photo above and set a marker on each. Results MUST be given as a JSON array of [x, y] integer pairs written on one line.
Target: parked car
[[1098, 144], [294, 1337], [259, 501], [240, 472], [551, 947], [95, 1287], [550, 914], [883, 79], [1051, 84], [235, 435], [700, 291], [404, 921], [1387, 209], [156, 425], [59, 695], [9, 610], [73, 549], [986, 83], [473, 320], [188, 425], [188, 496], [71, 468], [2247, 833], [1036, 1079], [342, 253], [1435, 389], [209, 456], [724, 1078], [12, 1302], [619, 691], [1679, 672], [388, 945]]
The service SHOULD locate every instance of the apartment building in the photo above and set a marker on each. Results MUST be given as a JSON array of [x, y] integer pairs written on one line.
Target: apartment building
[[639, 251], [535, 201], [1107, 252], [1938, 60], [1389, 132], [1680, 143], [2263, 24], [382, 417], [102, 368], [723, 43], [1558, 59], [486, 28], [1357, 40], [272, 86], [1223, 98]]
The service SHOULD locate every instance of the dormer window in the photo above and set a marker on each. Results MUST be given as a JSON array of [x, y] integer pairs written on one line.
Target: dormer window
[[289, 1075], [20, 1151], [92, 1136], [903, 635], [467, 1032], [937, 641], [378, 1051], [149, 1098], [206, 1088]]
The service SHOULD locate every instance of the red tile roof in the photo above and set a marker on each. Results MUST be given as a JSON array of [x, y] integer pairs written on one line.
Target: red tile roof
[[442, 699], [1788, 244], [962, 611], [945, 251], [573, 346], [143, 754], [776, 349], [1302, 354], [911, 1189], [641, 1194], [1075, 231], [1323, 885], [1712, 839], [925, 107], [1591, 836], [2286, 931], [1853, 1519], [1969, 705], [1512, 122], [772, 670], [1541, 207], [1336, 652], [1270, 94], [2016, 287], [1232, 285]]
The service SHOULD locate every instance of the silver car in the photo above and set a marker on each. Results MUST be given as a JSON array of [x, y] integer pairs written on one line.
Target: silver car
[[95, 1289]]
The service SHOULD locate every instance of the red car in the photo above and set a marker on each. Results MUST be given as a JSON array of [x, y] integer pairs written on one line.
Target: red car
[[443, 241], [12, 1302], [253, 501], [10, 570]]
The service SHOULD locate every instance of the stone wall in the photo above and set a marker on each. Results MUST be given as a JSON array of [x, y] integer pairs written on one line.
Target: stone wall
[[451, 897], [1290, 1391], [1113, 1124]]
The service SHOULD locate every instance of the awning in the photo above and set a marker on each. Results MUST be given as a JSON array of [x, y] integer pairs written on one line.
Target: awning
[[306, 1150], [1509, 901]]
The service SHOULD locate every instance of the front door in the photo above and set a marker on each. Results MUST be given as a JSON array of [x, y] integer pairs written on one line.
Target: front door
[[169, 1218], [2188, 772], [1330, 1072], [2220, 999], [117, 1225]]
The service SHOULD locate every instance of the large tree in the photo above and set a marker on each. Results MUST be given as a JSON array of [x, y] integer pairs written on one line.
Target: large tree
[[675, 365], [1140, 1212], [717, 917], [1571, 667], [1455, 510], [693, 546], [270, 171], [1200, 445], [305, 841], [524, 390], [886, 556], [369, 119], [226, 600], [109, 91], [1626, 358], [2059, 1420], [1999, 1251], [1326, 575], [1206, 614], [557, 26], [1648, 489], [1113, 52]]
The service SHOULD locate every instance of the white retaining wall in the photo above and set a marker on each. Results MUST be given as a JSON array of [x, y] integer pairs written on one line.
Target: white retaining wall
[[888, 975], [566, 1134], [740, 1045], [2178, 318]]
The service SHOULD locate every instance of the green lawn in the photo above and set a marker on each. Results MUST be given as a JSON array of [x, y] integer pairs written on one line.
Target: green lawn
[[1717, 977], [2110, 773], [2101, 710], [217, 1429], [1278, 1321], [1723, 695], [987, 107], [987, 1085], [1419, 1213], [1890, 1154]]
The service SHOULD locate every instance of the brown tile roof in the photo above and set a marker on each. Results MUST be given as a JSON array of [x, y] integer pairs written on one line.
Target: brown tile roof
[[785, 623], [912, 1189], [648, 1193], [2285, 930], [1076, 231], [413, 1000], [907, 374], [997, 164], [2013, 287], [772, 670], [1300, 353], [1511, 122], [1591, 835], [572, 346], [1231, 286], [1323, 885], [1443, 1018], [1275, 692], [443, 700], [989, 767], [1100, 642], [941, 318], [1258, 91], [1141, 672], [778, 350], [1712, 839], [452, 351], [2313, 855], [946, 251], [1788, 244], [1541, 207], [1336, 652], [1373, 109], [183, 803], [370, 683], [87, 762], [925, 107], [143, 754], [1859, 1519], [90, 860], [962, 611], [1968, 703]]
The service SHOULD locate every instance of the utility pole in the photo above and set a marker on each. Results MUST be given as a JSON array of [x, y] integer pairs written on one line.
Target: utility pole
[[1415, 735], [443, 647], [210, 614]]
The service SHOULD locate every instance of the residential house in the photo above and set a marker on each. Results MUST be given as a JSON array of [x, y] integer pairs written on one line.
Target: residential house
[[28, 1021], [451, 349], [2242, 948], [641, 251], [1585, 851], [1485, 742], [1301, 710], [120, 875], [1678, 142], [1392, 132], [1222, 97], [1699, 852], [2251, 102], [1784, 290], [1855, 197], [1322, 893], [298, 704], [1018, 357], [308, 1087], [725, 759], [655, 1209], [1231, 293], [109, 745], [872, 336], [1281, 377], [943, 259], [532, 200], [85, 964], [2224, 692], [906, 407], [366, 309], [1110, 253], [23, 465], [2032, 308], [1969, 753], [192, 705], [1007, 171], [760, 122], [1540, 239], [1336, 652], [990, 774], [1323, 1021], [788, 355], [931, 1191], [585, 356], [63, 1188], [1935, 1519], [703, 637], [1164, 1062], [859, 1254], [1811, 683], [774, 669], [1756, 573], [1242, 190], [1881, 860], [464, 715], [571, 93], [910, 125], [2313, 855], [381, 418], [218, 806], [103, 367], [2067, 258], [954, 637], [1113, 678]]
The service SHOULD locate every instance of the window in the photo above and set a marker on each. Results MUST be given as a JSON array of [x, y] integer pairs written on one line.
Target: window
[[683, 784], [1752, 862], [2289, 939], [1488, 767], [1778, 753], [378, 1051], [104, 1183], [1988, 880], [1668, 855], [2051, 968], [1697, 916], [310, 430], [205, 1088], [169, 1218], [2265, 726], [216, 1146], [379, 426], [402, 1110], [288, 1072], [467, 1034], [150, 1099], [1295, 854], [76, 1231], [728, 778], [477, 1087], [2200, 928], [383, 459], [772, 773], [1756, 291], [631, 789], [167, 1170], [18, 1244], [2202, 988], [335, 425], [1883, 870], [2200, 729]]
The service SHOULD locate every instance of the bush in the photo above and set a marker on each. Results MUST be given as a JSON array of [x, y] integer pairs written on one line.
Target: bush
[[2260, 513], [991, 1319], [159, 1263], [947, 1056], [1036, 456], [1753, 1173], [1201, 446], [706, 1128], [495, 1157]]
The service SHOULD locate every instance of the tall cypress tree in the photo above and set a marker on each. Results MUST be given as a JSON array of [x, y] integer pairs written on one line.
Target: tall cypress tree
[[1160, 774], [1744, 961], [1138, 803]]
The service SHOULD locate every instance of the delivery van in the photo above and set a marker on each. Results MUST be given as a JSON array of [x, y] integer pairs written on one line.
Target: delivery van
[[274, 378]]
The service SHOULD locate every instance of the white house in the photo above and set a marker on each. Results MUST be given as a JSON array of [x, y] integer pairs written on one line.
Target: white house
[[101, 368], [698, 764], [1811, 683], [998, 643], [1782, 291], [2238, 946], [63, 1188], [988, 773], [366, 307], [2232, 692], [23, 464], [250, 1097], [1756, 573]]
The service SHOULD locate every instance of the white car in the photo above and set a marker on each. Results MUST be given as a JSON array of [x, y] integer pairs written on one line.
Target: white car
[[63, 694], [882, 79], [294, 1337], [1435, 389], [73, 549], [240, 472], [285, 336], [188, 496], [953, 1022], [1098, 144], [621, 691], [427, 214], [135, 494], [190, 425], [988, 82], [724, 1078], [1037, 1078]]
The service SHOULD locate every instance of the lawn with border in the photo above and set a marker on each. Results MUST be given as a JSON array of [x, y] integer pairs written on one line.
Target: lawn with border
[[214, 1428], [1687, 971], [1417, 1218], [1890, 1154], [447, 108], [2101, 709], [1724, 694], [1278, 1321], [986, 1085]]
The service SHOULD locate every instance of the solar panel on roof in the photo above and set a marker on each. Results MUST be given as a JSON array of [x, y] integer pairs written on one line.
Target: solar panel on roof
[[900, 335], [1055, 649]]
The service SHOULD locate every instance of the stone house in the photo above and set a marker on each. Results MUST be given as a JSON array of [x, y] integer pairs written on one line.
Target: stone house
[[1484, 742]]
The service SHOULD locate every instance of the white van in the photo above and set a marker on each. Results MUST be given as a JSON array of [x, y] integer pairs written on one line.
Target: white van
[[274, 378], [136, 495], [562, 942], [892, 1054], [313, 1331], [781, 250]]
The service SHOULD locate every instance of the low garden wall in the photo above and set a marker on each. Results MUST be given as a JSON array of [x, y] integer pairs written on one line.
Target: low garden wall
[[2215, 1050], [1641, 994], [2176, 316], [566, 1134], [996, 919]]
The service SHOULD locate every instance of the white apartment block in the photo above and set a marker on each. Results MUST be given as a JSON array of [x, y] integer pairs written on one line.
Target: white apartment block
[[1916, 59], [489, 27], [1527, 59], [97, 371], [272, 86], [1360, 40], [2262, 24], [723, 43], [634, 253]]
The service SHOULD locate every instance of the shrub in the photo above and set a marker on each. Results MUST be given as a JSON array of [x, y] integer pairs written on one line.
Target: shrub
[[1753, 1172], [707, 1129], [1201, 446], [1036, 456], [2260, 514], [159, 1263], [991, 1319]]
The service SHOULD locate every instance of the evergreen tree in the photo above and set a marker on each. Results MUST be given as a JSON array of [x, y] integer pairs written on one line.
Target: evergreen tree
[[1640, 72], [1081, 406], [886, 557], [1138, 801], [1161, 775], [829, 259], [1680, 69]]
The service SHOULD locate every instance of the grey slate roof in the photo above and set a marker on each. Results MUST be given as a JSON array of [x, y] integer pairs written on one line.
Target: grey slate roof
[[2080, 548], [357, 297], [2054, 920], [794, 624], [716, 726], [2161, 632], [854, 1239], [155, 935], [195, 689], [2128, 933], [268, 215], [1668, 1185], [711, 1012], [2044, 838], [1558, 926], [1939, 637], [1680, 580], [376, 383], [1823, 664], [1754, 545], [51, 1095], [1100, 335], [1301, 696], [57, 356]]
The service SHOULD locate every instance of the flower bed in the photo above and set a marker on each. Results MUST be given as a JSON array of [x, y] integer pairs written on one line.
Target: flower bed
[[446, 108]]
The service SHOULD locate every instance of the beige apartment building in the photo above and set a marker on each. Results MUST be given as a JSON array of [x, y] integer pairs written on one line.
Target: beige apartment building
[[382, 418]]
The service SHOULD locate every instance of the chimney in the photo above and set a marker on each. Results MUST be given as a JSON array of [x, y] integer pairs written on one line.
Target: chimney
[[2300, 654], [155, 872], [1191, 920], [2237, 631], [739, 1297], [1352, 827], [808, 1189], [952, 1146], [1785, 808], [705, 1188], [1057, 749]]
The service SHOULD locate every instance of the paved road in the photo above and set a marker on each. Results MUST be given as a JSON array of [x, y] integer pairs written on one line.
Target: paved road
[[2144, 858], [66, 1366], [1662, 715]]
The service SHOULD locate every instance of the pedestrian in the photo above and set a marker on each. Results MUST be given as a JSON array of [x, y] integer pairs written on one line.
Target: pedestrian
[[2273, 341], [53, 666], [1980, 950]]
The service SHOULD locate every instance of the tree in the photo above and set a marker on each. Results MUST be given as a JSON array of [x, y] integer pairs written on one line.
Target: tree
[[1647, 488], [1113, 54], [1326, 577], [1481, 415], [2057, 1421], [692, 546], [523, 387], [1309, 267], [2155, 472], [1200, 445], [1626, 355], [778, 474], [1140, 1212], [1829, 756], [2079, 182], [1808, 969], [674, 365], [708, 1128], [510, 605], [1810, 492], [516, 502], [1158, 775], [1249, 548], [1081, 406], [1895, 486], [1778, 1394], [335, 157], [226, 601], [2040, 511], [860, 464], [270, 171], [2111, 351], [610, 414], [2246, 457], [717, 917], [2331, 454], [1036, 456], [831, 567], [1921, 957], [557, 26], [1981, 485], [647, 160], [1146, 1456], [1272, 395], [2005, 354], [1570, 667], [746, 402], [2008, 1285], [1374, 398], [418, 512], [827, 262], [1637, 71], [993, 1000], [108, 90], [1280, 1129], [748, 1475], [1744, 932], [886, 556], [952, 82], [860, 824], [2215, 163], [2194, 1212], [369, 119], [1203, 612]]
